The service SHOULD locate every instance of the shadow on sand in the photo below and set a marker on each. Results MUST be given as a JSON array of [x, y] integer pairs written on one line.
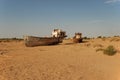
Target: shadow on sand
[[71, 43]]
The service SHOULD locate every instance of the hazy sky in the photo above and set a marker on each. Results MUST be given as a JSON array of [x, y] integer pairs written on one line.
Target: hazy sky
[[40, 17]]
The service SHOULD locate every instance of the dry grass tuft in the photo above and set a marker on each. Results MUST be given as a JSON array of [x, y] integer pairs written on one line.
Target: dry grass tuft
[[87, 44], [3, 52], [114, 39], [100, 49]]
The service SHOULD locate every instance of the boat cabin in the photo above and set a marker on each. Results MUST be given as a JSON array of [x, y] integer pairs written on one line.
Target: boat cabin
[[78, 35], [58, 33]]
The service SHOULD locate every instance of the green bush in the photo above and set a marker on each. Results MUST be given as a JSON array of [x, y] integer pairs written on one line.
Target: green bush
[[110, 50]]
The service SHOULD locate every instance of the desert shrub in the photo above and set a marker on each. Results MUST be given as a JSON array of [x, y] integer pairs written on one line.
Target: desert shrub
[[85, 37], [110, 50], [116, 36], [99, 37]]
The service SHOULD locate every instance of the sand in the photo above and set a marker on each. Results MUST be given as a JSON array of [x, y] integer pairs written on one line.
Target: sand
[[66, 61]]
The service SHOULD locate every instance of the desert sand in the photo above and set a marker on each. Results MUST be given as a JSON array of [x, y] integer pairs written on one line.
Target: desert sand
[[66, 61]]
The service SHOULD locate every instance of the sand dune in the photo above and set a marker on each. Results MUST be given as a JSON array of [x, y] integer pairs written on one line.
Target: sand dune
[[66, 61]]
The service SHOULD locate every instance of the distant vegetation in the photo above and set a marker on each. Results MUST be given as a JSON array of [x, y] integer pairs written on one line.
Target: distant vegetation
[[86, 37], [99, 37], [10, 39]]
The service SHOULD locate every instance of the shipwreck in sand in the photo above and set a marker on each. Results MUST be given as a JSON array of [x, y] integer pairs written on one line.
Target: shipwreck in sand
[[57, 37], [77, 38]]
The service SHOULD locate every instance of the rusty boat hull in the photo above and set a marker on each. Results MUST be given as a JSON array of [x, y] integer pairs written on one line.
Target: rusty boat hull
[[77, 40], [31, 41]]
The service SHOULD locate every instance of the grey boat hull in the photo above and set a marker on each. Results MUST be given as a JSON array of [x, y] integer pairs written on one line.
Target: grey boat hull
[[31, 41]]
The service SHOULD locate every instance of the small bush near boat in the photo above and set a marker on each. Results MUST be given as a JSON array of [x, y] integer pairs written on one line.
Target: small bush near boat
[[110, 50]]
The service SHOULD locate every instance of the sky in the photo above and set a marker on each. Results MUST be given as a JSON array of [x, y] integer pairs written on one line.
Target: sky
[[39, 17]]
